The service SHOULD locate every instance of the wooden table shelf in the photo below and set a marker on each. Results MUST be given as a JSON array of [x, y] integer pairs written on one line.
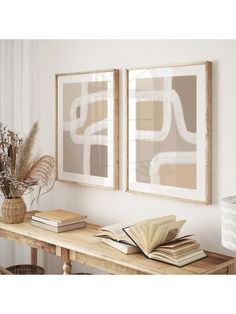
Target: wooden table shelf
[[81, 246]]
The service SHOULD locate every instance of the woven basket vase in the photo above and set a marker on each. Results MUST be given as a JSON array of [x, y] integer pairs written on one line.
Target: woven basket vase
[[13, 210]]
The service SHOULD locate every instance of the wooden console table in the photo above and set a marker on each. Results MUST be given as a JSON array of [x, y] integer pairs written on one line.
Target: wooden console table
[[81, 246]]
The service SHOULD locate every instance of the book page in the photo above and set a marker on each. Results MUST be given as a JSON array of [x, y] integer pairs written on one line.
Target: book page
[[166, 233], [178, 262], [115, 232], [117, 228], [180, 249], [177, 242], [123, 247], [150, 234]]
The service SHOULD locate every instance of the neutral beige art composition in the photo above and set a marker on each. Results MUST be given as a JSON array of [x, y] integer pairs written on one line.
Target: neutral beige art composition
[[87, 127], [168, 128]]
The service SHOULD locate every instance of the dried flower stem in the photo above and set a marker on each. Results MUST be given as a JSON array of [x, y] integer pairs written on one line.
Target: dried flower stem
[[20, 171], [25, 155]]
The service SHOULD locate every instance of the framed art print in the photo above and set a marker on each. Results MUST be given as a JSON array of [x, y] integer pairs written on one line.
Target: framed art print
[[87, 128], [169, 131]]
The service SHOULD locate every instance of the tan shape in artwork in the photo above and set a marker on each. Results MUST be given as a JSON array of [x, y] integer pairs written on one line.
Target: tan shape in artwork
[[98, 161], [181, 176], [70, 92], [186, 87], [98, 86], [150, 83], [96, 112], [149, 115]]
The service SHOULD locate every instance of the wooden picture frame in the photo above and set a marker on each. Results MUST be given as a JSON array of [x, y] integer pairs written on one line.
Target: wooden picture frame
[[87, 110], [169, 131]]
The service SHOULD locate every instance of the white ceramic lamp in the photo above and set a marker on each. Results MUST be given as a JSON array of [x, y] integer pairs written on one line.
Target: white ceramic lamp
[[229, 222]]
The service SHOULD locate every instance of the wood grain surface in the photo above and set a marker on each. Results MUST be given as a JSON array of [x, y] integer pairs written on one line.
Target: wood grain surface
[[81, 246]]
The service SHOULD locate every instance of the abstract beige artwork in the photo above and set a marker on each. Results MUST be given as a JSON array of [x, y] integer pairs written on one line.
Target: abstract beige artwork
[[168, 124], [87, 127]]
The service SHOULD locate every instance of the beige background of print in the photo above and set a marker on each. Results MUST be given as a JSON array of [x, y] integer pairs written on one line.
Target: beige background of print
[[149, 116], [97, 111]]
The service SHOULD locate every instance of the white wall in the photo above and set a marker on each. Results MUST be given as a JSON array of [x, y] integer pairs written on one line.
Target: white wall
[[15, 109], [105, 207]]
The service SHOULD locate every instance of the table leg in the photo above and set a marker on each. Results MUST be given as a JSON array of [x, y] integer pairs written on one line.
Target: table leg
[[33, 256], [230, 269], [67, 267], [65, 254]]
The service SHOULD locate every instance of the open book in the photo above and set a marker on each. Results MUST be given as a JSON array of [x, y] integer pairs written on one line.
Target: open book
[[152, 230], [121, 246], [158, 239], [116, 233]]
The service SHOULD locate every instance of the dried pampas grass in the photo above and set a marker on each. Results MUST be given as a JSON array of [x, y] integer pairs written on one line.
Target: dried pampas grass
[[25, 158], [12, 156], [43, 171], [20, 169]]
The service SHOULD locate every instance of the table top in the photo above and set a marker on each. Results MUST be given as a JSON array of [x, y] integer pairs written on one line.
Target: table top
[[83, 242]]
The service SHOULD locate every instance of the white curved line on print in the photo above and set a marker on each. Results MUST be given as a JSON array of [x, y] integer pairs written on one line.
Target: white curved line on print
[[164, 97], [189, 137], [88, 138], [170, 99], [169, 158], [82, 102]]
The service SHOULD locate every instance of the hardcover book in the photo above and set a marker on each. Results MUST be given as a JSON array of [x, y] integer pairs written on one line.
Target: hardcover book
[[59, 229], [58, 217], [122, 247], [115, 232]]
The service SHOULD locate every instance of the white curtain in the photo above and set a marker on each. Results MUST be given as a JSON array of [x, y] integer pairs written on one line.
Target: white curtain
[[15, 112]]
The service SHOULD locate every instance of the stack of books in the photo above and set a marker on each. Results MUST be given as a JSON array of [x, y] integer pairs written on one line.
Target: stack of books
[[58, 220], [157, 238]]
